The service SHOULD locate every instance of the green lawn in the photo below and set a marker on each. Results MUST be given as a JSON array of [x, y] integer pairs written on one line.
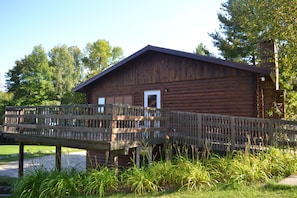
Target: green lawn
[[10, 153], [268, 191]]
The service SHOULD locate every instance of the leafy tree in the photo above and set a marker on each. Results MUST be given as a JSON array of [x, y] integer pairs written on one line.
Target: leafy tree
[[5, 100], [77, 56], [65, 64], [202, 50], [235, 42], [100, 55], [30, 80], [246, 22]]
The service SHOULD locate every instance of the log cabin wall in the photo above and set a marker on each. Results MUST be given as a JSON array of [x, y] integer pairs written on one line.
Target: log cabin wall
[[185, 85]]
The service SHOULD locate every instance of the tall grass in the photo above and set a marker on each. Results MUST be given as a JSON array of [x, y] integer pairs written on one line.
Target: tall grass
[[236, 170], [98, 182], [140, 181]]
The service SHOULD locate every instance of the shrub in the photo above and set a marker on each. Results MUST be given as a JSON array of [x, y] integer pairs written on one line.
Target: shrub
[[98, 182], [163, 173], [29, 185], [192, 175], [61, 184], [140, 181]]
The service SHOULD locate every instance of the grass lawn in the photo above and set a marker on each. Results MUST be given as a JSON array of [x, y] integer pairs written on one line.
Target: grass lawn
[[10, 153], [268, 191]]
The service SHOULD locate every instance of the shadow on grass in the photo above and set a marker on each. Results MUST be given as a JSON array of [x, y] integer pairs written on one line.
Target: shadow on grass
[[273, 186]]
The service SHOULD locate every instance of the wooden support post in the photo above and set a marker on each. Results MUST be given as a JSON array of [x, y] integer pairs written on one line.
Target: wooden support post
[[199, 131], [150, 155], [106, 157], [58, 157], [115, 161], [233, 141], [271, 129], [137, 157], [21, 159]]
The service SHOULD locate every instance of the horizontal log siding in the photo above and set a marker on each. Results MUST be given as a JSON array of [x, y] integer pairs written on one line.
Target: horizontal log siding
[[193, 86], [229, 96]]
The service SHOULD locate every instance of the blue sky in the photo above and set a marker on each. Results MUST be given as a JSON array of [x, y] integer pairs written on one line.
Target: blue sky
[[131, 25]]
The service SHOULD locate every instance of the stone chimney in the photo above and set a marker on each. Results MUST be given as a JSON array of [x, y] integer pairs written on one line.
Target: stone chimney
[[269, 59]]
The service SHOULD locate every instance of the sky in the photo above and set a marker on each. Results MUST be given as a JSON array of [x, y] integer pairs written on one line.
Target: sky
[[131, 25]]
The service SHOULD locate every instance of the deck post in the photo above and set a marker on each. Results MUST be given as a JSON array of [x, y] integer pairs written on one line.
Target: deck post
[[232, 133], [199, 131], [115, 161], [21, 159], [137, 157], [58, 157], [107, 157], [144, 151], [271, 129]]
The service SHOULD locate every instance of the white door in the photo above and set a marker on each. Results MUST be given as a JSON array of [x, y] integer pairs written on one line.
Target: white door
[[152, 99]]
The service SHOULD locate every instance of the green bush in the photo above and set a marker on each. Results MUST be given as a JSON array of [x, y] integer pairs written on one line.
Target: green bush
[[98, 182], [29, 185], [192, 175], [236, 170], [61, 184], [140, 181]]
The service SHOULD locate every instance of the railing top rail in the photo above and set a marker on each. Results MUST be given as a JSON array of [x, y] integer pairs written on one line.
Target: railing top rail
[[82, 106], [238, 117]]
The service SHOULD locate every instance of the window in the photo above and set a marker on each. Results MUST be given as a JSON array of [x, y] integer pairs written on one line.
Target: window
[[101, 103]]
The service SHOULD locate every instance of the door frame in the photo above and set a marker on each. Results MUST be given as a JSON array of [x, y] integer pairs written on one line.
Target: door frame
[[149, 93]]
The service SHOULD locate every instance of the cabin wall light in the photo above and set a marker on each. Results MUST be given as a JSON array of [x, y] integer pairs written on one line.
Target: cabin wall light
[[262, 78], [166, 90]]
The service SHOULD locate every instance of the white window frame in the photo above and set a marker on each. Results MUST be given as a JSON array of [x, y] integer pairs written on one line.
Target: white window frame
[[101, 101], [152, 92]]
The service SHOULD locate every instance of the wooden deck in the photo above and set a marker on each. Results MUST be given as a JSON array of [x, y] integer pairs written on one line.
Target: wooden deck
[[120, 127], [100, 127]]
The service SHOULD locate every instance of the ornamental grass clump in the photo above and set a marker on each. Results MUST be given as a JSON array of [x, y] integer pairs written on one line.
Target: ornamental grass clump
[[100, 182], [164, 173], [29, 185], [245, 169], [140, 181], [61, 184], [191, 175]]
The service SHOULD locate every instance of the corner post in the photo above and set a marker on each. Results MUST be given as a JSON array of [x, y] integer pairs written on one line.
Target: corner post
[[232, 133], [58, 157], [21, 159]]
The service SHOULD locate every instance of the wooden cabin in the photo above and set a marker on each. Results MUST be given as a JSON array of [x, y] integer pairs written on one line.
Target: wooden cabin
[[180, 81], [191, 99]]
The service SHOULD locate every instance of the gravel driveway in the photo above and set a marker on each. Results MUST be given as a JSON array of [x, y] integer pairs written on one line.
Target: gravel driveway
[[70, 160]]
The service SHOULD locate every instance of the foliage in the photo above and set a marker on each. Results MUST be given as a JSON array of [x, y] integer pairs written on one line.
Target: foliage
[[244, 23], [5, 100], [98, 182], [201, 49], [66, 74], [192, 175], [38, 79], [30, 80], [232, 40], [140, 181], [29, 185], [61, 184], [100, 55], [237, 170]]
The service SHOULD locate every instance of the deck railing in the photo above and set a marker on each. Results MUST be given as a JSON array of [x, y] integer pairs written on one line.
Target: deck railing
[[222, 133], [124, 123], [86, 122]]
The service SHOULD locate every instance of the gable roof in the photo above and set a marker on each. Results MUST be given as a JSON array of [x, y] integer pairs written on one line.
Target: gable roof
[[82, 87]]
